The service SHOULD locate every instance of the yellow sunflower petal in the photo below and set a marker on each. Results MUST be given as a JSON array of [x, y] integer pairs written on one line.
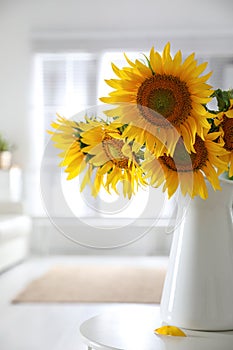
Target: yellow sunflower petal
[[170, 330], [165, 92], [230, 113]]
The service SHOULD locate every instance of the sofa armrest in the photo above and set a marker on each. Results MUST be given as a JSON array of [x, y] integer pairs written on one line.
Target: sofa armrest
[[13, 226], [7, 207]]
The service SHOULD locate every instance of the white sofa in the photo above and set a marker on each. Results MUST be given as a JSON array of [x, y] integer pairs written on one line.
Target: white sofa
[[15, 228]]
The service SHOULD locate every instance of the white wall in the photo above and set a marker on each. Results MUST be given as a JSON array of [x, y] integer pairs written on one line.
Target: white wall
[[200, 25]]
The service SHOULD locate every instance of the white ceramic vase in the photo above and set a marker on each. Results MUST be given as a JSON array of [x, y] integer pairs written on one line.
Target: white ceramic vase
[[198, 290]]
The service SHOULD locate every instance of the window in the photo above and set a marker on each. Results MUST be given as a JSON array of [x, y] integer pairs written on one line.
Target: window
[[68, 83]]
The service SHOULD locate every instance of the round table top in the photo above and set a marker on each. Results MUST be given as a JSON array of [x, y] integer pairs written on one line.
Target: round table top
[[121, 330]]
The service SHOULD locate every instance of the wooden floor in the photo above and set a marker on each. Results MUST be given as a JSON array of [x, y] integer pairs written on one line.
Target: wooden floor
[[51, 326]]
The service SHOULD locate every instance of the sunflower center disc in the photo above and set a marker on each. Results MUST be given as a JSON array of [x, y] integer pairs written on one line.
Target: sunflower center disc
[[182, 161], [227, 126], [112, 149], [162, 101], [165, 97]]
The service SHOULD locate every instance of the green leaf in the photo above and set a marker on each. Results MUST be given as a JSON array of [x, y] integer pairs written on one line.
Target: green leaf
[[230, 94], [223, 99]]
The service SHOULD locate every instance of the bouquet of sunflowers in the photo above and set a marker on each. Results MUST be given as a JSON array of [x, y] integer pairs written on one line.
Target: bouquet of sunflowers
[[159, 130]]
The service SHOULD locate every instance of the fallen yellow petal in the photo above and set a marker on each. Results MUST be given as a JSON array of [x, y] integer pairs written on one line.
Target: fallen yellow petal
[[170, 330]]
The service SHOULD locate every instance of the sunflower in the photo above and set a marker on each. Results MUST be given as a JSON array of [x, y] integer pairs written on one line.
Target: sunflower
[[224, 120], [67, 138], [188, 170], [165, 97], [112, 158]]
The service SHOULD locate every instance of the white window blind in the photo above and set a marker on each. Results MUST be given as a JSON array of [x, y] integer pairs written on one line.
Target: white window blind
[[67, 84], [64, 83]]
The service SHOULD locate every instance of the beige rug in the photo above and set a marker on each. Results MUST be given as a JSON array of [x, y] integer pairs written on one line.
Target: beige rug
[[124, 284]]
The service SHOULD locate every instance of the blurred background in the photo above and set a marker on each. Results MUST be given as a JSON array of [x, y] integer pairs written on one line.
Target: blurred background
[[54, 57]]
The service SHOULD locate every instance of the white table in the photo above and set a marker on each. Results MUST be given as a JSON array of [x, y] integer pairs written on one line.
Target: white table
[[123, 331]]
